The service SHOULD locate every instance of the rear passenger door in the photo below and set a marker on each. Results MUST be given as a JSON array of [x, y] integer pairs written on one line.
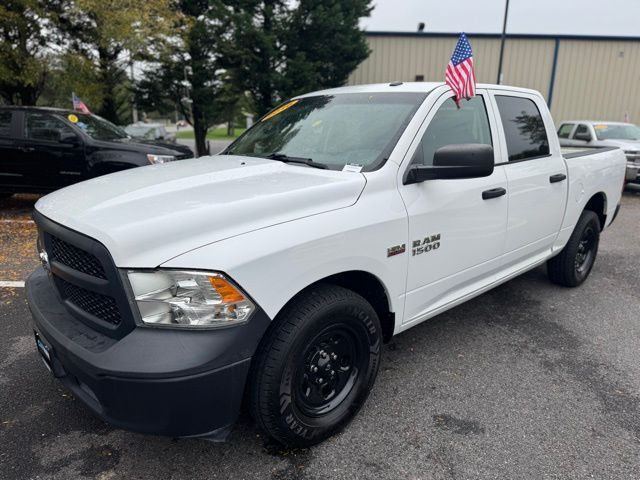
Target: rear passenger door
[[536, 177]]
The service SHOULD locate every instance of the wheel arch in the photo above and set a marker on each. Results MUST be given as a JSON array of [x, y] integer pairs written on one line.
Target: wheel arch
[[368, 286], [598, 205]]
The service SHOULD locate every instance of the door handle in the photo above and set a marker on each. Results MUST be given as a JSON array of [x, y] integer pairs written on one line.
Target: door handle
[[27, 149], [558, 177], [493, 193]]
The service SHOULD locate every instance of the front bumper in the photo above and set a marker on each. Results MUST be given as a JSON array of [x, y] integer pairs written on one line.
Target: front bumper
[[160, 381]]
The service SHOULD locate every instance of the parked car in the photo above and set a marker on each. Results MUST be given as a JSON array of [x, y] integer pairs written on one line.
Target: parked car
[[280, 266], [150, 131], [43, 149], [588, 133]]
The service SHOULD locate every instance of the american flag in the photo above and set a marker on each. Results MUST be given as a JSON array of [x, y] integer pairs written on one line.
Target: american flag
[[460, 75], [79, 104]]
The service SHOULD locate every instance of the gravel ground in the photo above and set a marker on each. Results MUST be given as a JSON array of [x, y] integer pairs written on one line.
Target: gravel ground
[[529, 381]]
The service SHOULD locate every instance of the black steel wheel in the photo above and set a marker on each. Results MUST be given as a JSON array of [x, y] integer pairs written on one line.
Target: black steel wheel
[[573, 264], [315, 367]]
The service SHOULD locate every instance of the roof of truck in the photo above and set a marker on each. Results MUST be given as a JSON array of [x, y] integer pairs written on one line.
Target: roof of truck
[[419, 87]]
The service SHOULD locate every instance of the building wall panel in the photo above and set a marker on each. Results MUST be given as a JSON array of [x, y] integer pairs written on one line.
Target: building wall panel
[[595, 78]]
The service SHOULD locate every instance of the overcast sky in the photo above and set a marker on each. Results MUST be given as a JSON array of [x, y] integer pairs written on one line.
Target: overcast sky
[[578, 17]]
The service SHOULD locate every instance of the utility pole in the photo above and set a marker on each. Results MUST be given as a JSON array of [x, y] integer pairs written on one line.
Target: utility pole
[[134, 109], [504, 35]]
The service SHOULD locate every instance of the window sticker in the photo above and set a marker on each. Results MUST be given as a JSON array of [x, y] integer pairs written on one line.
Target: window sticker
[[352, 167], [72, 118], [279, 110]]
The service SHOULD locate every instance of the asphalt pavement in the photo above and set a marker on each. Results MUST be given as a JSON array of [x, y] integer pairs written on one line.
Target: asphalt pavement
[[528, 381]]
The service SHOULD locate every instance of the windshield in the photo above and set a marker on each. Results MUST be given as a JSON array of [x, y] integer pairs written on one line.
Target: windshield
[[335, 130], [98, 128], [140, 131], [611, 131]]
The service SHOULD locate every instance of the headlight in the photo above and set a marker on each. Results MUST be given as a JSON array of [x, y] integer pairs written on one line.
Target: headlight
[[189, 299], [160, 158]]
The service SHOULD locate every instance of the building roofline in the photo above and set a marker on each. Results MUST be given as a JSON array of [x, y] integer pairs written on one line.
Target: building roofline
[[497, 36]]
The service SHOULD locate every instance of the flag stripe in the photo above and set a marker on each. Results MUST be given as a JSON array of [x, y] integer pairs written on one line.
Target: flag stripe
[[460, 75]]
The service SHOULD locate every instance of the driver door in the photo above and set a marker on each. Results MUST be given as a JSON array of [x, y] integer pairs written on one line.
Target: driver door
[[456, 237], [54, 153]]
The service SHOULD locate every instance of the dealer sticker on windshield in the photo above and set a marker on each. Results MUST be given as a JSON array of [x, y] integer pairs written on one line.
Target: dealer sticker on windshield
[[279, 110], [352, 167]]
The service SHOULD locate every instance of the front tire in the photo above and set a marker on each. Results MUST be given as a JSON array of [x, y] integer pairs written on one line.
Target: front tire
[[316, 366], [572, 265]]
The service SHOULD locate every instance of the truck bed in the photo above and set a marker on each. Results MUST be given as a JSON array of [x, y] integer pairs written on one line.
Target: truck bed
[[575, 152], [593, 171]]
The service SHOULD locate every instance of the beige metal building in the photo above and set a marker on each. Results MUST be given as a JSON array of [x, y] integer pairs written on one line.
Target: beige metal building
[[581, 77]]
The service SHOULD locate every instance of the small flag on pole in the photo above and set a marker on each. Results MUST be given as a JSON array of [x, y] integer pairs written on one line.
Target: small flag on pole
[[79, 104], [459, 74]]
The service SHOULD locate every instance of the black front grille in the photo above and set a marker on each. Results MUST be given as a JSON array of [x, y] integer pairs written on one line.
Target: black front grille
[[98, 305], [76, 258], [86, 278]]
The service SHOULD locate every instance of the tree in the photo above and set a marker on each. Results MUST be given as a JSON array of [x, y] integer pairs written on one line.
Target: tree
[[190, 73], [109, 34], [324, 44], [258, 60], [283, 49], [26, 28]]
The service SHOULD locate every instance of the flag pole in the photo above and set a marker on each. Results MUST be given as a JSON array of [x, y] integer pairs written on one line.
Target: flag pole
[[504, 34]]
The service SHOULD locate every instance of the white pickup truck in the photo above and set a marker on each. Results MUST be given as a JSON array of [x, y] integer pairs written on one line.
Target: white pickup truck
[[275, 270]]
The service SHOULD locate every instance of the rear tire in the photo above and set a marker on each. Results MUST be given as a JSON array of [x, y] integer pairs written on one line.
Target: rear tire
[[314, 369], [572, 265]]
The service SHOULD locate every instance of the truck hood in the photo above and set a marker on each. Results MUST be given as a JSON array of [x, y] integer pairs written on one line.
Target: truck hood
[[148, 215]]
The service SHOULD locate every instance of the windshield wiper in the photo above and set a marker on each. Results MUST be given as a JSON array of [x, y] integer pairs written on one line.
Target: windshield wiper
[[281, 157]]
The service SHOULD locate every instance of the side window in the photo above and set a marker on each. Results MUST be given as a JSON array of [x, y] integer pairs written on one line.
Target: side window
[[565, 130], [523, 128], [5, 124], [453, 125], [46, 127], [582, 133]]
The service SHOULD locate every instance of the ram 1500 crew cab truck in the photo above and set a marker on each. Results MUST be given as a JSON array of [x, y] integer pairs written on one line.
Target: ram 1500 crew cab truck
[[275, 270]]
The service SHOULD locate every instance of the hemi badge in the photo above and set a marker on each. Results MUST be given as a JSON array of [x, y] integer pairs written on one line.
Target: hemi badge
[[397, 250]]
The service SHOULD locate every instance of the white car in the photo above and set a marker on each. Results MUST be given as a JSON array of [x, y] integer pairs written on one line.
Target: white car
[[150, 131], [587, 133], [278, 268]]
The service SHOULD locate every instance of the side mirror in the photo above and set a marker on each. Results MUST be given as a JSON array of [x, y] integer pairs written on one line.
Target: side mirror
[[472, 160], [585, 137]]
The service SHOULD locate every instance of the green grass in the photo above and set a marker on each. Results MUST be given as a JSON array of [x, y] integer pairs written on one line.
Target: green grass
[[215, 134]]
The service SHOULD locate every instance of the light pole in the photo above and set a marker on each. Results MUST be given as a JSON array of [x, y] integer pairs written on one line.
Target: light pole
[[504, 34], [134, 108]]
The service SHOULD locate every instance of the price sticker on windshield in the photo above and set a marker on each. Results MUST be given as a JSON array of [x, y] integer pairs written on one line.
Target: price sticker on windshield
[[279, 110], [72, 118]]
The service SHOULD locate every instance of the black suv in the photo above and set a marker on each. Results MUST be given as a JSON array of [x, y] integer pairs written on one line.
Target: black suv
[[42, 149]]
